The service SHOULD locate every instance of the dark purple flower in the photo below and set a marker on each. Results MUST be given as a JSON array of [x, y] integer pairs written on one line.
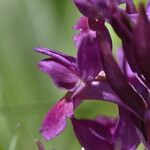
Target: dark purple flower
[[95, 74], [82, 77], [98, 9], [131, 79]]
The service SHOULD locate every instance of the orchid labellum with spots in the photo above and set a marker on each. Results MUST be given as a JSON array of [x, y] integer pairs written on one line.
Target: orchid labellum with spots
[[95, 74]]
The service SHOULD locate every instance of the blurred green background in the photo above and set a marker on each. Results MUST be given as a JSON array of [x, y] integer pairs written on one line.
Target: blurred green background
[[26, 94]]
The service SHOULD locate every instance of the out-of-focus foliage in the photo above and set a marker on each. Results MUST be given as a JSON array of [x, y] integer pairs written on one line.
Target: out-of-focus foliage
[[26, 94], [1, 148]]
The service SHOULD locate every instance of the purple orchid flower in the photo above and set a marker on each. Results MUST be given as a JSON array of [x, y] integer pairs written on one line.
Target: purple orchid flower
[[95, 74], [82, 77], [129, 79]]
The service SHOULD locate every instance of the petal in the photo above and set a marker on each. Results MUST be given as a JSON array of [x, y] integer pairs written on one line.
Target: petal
[[82, 24], [87, 8], [139, 86], [61, 75], [96, 9], [108, 122], [116, 79], [148, 7], [123, 27], [126, 137], [132, 77], [141, 43], [69, 61], [92, 135], [83, 27], [100, 90], [133, 17], [55, 120], [88, 58], [123, 64]]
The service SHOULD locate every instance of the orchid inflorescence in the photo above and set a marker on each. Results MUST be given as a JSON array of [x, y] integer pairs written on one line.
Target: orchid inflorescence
[[96, 74]]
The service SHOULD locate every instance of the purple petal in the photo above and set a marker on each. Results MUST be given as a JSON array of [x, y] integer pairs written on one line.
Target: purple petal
[[62, 76], [123, 64], [126, 137], [87, 8], [116, 79], [95, 9], [55, 120], [82, 24], [92, 135], [100, 90], [69, 61], [122, 27], [88, 58], [83, 27], [108, 122], [141, 43], [148, 7], [138, 85]]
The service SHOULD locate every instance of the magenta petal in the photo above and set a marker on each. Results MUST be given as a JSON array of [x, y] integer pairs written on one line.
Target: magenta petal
[[83, 27], [69, 61], [55, 120], [54, 54], [82, 24], [87, 8], [141, 42], [61, 75], [88, 58], [92, 135], [95, 9]]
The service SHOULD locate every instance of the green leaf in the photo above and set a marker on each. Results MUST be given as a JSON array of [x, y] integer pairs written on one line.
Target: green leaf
[[13, 143]]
